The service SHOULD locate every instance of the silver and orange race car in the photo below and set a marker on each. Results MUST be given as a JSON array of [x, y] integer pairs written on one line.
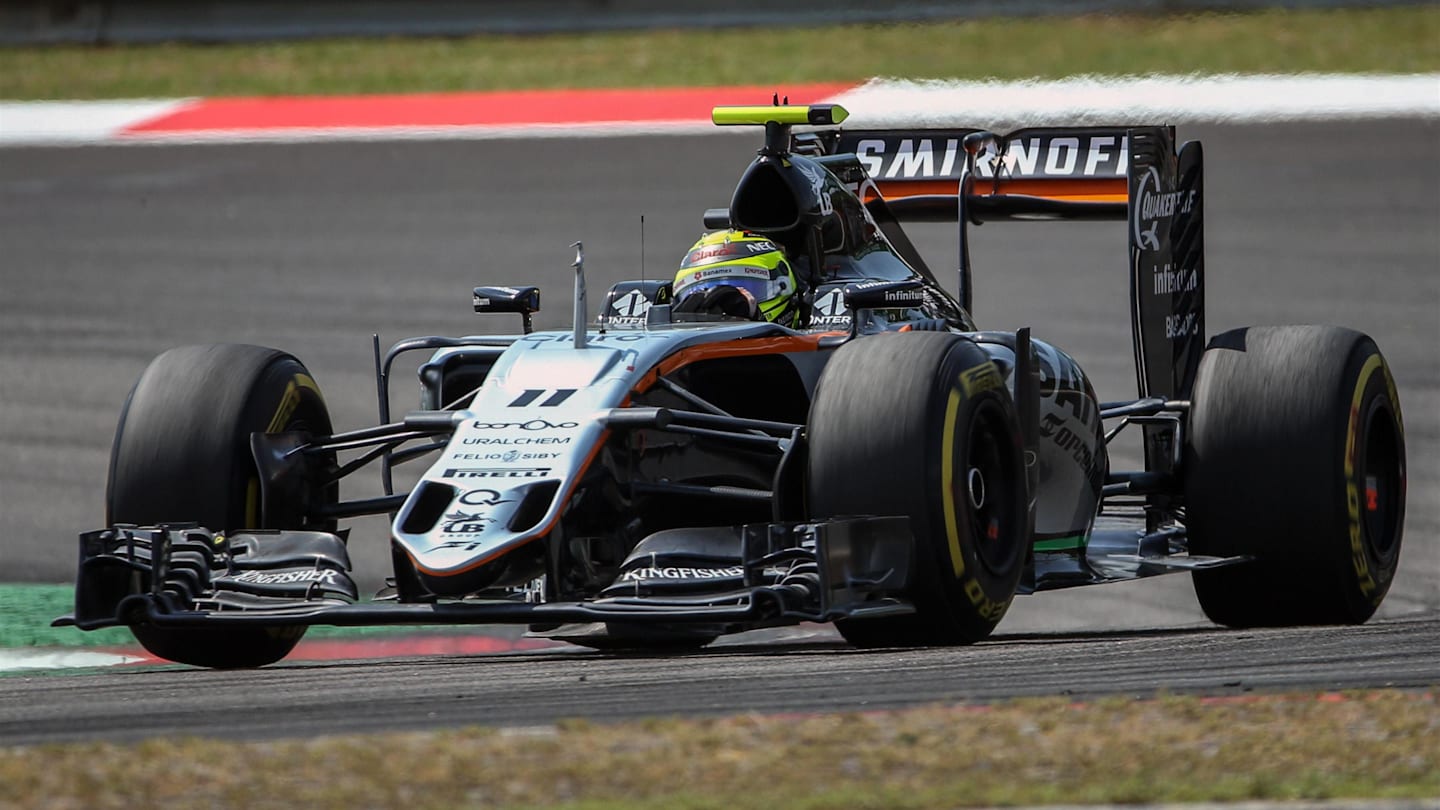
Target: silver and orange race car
[[659, 478]]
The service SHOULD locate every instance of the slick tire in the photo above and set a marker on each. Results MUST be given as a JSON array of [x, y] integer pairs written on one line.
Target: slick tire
[[182, 454], [1295, 456], [920, 424]]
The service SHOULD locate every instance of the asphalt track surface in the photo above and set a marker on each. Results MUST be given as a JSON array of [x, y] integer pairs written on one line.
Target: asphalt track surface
[[109, 255], [774, 677]]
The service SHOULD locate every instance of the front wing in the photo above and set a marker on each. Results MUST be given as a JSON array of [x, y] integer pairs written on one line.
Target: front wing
[[189, 576]]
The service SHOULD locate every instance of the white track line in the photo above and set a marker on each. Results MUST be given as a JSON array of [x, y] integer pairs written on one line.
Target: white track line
[[25, 660], [75, 122]]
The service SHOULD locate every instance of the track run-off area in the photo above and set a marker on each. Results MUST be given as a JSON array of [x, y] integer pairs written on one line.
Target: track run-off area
[[311, 242]]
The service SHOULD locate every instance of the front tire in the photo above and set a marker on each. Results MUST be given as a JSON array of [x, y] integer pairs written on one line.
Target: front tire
[[1295, 455], [182, 454], [920, 424]]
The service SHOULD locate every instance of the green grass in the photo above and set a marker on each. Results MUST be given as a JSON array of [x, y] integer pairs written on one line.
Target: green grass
[[1385, 40], [1026, 752], [27, 610]]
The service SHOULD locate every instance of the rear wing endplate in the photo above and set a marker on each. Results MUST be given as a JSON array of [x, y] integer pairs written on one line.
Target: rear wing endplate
[[1132, 174]]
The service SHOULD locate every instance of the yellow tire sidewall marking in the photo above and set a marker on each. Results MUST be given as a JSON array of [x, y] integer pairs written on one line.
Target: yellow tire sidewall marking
[[985, 607], [947, 483], [1358, 558], [289, 401]]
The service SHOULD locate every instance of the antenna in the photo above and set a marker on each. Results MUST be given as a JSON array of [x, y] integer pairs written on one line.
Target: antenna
[[579, 266], [642, 247]]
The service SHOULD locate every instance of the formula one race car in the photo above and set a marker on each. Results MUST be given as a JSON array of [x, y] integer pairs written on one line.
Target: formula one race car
[[664, 477]]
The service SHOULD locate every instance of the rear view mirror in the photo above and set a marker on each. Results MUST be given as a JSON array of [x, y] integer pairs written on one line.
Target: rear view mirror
[[507, 299], [523, 300]]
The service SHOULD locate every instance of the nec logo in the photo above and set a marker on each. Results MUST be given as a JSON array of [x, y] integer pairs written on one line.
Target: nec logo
[[1049, 156]]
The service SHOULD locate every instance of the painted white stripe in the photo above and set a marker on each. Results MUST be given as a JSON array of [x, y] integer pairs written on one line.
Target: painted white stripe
[[879, 103], [404, 133], [62, 122], [1087, 100], [21, 660]]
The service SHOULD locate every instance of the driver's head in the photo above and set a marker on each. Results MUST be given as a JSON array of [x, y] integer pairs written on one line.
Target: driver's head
[[737, 274]]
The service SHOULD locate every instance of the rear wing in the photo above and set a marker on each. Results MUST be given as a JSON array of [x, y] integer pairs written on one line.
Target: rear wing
[[1133, 175]]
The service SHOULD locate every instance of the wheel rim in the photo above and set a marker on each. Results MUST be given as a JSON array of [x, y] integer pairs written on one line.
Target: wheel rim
[[309, 416], [989, 490], [1382, 481]]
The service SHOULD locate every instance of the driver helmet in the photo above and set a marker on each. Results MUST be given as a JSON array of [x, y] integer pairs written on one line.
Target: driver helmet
[[737, 274]]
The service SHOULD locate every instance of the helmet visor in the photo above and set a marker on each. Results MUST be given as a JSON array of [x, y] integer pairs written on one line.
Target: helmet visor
[[754, 289]]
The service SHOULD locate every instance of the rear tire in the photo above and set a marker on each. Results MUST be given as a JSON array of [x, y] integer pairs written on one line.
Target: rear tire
[[1295, 455], [182, 454], [920, 424]]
